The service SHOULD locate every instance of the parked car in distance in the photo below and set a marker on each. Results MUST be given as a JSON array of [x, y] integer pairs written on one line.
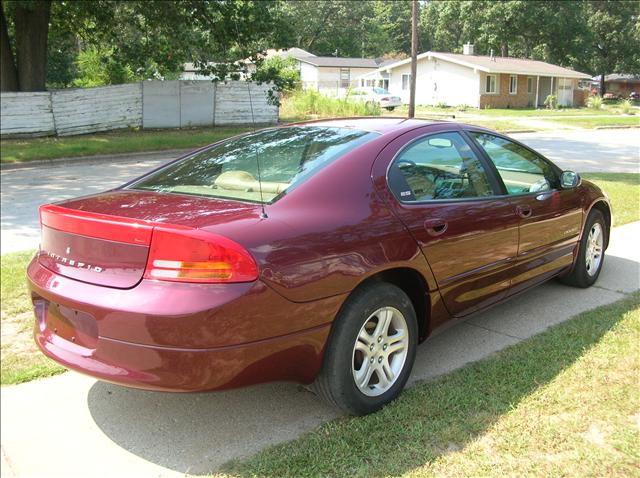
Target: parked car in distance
[[379, 96], [320, 253]]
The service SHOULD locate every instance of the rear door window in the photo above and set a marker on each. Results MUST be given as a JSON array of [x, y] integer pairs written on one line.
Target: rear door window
[[436, 167]]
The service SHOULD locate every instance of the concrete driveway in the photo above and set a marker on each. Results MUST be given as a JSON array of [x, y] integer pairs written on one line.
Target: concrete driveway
[[73, 426], [23, 190]]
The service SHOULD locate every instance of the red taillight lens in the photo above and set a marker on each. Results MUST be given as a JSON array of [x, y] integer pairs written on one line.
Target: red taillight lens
[[191, 255], [385, 99]]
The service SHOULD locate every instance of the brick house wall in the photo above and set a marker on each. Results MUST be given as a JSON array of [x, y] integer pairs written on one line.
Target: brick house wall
[[580, 97], [502, 98], [622, 89]]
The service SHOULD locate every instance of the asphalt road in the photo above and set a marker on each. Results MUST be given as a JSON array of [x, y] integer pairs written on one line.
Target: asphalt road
[[73, 426], [23, 190]]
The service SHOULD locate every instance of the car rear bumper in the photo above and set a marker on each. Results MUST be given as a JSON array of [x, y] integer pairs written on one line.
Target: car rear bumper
[[390, 103], [139, 338]]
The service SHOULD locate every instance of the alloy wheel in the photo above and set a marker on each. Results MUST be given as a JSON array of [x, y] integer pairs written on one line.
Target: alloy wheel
[[380, 351]]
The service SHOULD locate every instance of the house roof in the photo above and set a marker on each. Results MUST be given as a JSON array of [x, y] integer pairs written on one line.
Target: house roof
[[499, 64], [622, 78], [294, 52], [338, 62]]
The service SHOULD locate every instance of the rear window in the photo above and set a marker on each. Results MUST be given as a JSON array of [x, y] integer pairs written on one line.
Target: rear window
[[286, 157]]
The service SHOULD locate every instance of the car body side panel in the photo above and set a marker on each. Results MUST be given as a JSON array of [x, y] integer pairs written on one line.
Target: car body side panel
[[328, 238], [548, 238]]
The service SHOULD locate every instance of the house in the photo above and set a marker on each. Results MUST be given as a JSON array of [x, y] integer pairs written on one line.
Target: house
[[333, 76], [480, 81], [620, 84], [191, 72], [330, 75]]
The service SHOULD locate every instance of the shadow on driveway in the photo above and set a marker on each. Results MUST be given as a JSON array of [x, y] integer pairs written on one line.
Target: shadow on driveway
[[197, 433]]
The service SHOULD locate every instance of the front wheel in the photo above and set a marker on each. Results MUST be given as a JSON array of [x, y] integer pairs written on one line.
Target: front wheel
[[590, 253], [371, 350]]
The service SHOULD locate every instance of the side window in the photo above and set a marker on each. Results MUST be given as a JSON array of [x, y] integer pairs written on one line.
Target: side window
[[521, 170], [440, 166]]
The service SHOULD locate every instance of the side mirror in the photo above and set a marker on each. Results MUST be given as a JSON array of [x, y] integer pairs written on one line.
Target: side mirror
[[569, 179]]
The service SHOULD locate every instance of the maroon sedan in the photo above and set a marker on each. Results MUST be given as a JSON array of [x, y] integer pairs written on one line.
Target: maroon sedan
[[318, 253]]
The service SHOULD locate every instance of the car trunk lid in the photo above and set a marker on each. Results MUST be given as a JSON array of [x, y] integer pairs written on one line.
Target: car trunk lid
[[105, 239]]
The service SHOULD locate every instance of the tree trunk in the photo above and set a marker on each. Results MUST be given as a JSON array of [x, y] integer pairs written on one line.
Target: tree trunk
[[602, 88], [32, 29], [504, 50], [8, 72]]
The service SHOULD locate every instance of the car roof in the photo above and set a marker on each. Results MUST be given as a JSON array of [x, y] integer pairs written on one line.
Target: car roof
[[374, 124]]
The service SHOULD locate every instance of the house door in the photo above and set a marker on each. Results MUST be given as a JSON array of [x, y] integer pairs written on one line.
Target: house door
[[565, 92]]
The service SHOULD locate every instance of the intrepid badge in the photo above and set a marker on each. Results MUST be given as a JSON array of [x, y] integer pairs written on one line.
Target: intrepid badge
[[72, 262]]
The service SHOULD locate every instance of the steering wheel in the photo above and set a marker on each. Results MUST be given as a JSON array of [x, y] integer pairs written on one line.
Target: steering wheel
[[538, 186]]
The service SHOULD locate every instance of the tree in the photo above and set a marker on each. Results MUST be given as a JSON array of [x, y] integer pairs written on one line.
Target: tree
[[26, 70], [151, 38], [614, 36]]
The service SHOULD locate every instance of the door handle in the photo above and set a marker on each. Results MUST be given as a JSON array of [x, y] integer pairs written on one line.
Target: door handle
[[524, 211], [435, 227]]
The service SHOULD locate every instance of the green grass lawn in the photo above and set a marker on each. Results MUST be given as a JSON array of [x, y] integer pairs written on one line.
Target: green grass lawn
[[501, 126], [623, 190], [21, 359], [124, 141], [563, 403], [590, 123], [607, 109]]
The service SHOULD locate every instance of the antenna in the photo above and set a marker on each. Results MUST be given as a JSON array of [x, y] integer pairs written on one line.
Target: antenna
[[263, 213]]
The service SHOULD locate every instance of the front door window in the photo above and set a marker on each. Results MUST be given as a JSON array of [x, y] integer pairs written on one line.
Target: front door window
[[522, 171]]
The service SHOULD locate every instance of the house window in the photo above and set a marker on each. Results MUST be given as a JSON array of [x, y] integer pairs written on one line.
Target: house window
[[530, 85], [513, 84], [406, 81], [362, 82], [490, 85], [345, 77]]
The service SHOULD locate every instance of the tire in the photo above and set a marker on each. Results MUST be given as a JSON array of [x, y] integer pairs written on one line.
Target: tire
[[390, 108], [585, 274], [370, 307]]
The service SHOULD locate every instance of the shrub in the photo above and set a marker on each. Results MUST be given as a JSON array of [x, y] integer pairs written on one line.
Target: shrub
[[281, 72], [304, 104], [626, 107], [551, 102], [594, 102], [441, 104]]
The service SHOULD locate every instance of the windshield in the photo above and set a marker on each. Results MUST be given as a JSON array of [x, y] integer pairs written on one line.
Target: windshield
[[287, 156], [381, 91]]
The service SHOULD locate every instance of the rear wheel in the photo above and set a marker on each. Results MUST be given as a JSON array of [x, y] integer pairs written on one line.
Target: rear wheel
[[390, 108], [371, 350], [591, 253]]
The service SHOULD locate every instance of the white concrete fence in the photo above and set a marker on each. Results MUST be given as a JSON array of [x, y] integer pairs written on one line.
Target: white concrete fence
[[147, 104]]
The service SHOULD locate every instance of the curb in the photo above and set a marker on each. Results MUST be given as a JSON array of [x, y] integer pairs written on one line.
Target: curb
[[95, 159], [618, 127]]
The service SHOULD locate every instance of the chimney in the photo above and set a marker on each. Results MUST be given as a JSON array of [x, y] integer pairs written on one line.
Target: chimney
[[467, 49]]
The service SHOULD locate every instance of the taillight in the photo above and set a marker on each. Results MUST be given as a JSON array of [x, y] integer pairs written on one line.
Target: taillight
[[192, 255], [385, 99]]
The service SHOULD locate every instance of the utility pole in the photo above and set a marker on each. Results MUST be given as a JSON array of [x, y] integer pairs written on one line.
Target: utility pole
[[414, 58]]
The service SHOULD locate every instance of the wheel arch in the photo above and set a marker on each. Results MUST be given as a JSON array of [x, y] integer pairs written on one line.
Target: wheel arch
[[412, 283], [604, 207]]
